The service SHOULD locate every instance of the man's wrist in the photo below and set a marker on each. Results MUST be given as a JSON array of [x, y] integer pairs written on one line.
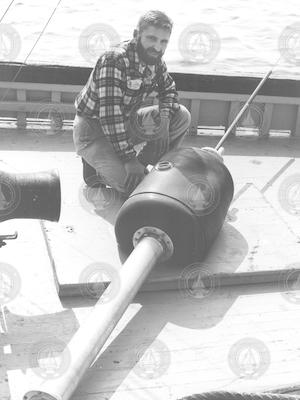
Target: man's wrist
[[130, 160], [164, 113], [125, 157]]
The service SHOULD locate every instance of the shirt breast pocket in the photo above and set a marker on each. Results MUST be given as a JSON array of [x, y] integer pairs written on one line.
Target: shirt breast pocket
[[132, 90]]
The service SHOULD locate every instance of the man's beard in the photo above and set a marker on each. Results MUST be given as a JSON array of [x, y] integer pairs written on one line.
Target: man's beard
[[145, 56]]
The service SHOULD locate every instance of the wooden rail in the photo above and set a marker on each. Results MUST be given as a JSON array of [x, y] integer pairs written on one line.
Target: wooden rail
[[47, 93]]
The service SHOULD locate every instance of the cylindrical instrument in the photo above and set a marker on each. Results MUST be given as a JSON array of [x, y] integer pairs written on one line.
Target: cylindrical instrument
[[187, 195], [34, 195]]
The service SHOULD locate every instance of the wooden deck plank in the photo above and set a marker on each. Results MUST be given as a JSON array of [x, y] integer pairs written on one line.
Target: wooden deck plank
[[179, 352], [174, 343], [191, 333], [29, 316], [250, 242], [247, 249]]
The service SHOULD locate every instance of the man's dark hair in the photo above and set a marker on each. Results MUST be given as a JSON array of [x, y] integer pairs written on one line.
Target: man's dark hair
[[155, 18]]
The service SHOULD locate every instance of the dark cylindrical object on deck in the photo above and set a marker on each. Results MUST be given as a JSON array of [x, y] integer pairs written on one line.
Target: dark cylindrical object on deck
[[187, 195], [30, 195]]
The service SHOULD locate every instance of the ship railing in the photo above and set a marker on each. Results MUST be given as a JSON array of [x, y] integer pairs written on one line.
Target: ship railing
[[43, 102]]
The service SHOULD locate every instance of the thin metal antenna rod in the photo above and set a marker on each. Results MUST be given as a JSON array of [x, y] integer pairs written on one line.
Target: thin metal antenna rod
[[245, 107]]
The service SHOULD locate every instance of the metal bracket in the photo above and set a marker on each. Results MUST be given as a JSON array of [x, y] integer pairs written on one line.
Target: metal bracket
[[7, 237], [158, 234]]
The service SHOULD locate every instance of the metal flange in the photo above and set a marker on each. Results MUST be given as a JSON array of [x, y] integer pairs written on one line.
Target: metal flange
[[164, 165], [157, 234]]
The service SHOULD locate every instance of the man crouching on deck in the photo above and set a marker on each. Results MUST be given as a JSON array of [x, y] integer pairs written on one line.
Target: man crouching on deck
[[104, 131]]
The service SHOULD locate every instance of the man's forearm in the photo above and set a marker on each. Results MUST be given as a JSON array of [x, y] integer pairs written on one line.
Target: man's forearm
[[168, 95]]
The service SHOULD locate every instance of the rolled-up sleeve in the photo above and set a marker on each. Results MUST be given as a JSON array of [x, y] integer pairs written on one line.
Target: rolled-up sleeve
[[109, 78], [167, 93]]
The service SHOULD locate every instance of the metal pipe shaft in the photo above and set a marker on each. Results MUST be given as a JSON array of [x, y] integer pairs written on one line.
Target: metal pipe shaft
[[246, 105], [92, 335]]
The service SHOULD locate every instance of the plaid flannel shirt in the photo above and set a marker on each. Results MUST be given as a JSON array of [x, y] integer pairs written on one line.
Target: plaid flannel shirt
[[119, 82]]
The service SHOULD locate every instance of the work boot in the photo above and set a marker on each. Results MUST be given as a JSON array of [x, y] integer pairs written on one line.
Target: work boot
[[90, 176], [92, 179]]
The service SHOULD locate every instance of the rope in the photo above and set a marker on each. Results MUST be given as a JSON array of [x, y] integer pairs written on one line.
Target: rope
[[40, 35], [223, 395], [6, 11]]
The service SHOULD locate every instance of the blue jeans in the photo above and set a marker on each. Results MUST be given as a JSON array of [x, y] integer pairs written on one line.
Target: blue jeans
[[94, 147]]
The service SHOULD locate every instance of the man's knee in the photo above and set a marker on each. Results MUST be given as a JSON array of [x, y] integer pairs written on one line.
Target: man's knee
[[180, 121], [184, 116]]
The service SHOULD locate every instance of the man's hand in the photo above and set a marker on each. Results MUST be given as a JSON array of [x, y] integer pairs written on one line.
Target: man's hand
[[135, 173], [161, 144], [217, 153]]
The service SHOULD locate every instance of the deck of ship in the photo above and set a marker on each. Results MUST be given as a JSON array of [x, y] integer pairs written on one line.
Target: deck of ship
[[169, 343]]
